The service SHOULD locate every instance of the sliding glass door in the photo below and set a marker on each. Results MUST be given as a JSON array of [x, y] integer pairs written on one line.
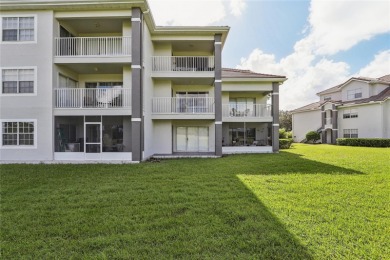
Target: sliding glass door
[[192, 139]]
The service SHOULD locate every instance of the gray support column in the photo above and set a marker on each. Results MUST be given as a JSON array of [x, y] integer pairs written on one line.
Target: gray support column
[[323, 122], [218, 93], [275, 117], [136, 85], [335, 127]]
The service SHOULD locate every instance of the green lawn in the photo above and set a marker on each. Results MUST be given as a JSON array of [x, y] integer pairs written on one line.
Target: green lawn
[[309, 202]]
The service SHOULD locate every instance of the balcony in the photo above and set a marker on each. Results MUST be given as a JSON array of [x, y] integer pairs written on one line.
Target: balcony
[[87, 98], [92, 47], [253, 113], [183, 66], [183, 108]]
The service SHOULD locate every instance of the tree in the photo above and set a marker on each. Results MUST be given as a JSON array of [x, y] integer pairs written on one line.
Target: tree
[[285, 120], [312, 136]]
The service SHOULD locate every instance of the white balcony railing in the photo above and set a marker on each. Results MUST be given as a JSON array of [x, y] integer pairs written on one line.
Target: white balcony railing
[[182, 63], [255, 111], [93, 46], [185, 105], [92, 98]]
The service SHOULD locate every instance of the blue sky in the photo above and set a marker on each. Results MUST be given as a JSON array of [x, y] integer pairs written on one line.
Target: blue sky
[[315, 43]]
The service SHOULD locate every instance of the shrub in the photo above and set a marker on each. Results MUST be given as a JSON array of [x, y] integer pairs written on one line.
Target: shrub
[[312, 136], [282, 133], [285, 143], [367, 142], [289, 134]]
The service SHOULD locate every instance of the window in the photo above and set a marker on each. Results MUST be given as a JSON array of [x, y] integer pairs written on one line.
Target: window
[[354, 94], [192, 102], [18, 29], [350, 133], [327, 98], [16, 133], [350, 113], [241, 107], [17, 80]]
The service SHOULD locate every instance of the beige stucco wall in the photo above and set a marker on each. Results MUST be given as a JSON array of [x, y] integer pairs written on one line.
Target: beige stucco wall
[[304, 122], [355, 85], [386, 118], [333, 96], [147, 85], [368, 121], [37, 106]]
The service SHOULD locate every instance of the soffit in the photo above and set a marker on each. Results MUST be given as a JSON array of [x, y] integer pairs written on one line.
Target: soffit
[[101, 25]]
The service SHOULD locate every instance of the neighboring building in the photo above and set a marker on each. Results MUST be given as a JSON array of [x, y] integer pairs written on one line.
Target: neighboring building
[[98, 80], [357, 108]]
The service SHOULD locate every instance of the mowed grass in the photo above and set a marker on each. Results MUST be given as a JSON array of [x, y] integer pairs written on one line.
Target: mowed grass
[[309, 202]]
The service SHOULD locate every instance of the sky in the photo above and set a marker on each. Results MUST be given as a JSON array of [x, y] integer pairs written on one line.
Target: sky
[[316, 44]]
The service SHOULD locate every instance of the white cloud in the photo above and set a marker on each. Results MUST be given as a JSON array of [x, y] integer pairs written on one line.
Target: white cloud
[[306, 76], [334, 26], [261, 62], [339, 25], [194, 12], [237, 7], [379, 67]]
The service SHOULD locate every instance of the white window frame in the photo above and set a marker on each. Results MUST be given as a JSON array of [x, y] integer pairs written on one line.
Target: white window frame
[[350, 113], [19, 16], [327, 98], [19, 146], [351, 94], [19, 94], [350, 132]]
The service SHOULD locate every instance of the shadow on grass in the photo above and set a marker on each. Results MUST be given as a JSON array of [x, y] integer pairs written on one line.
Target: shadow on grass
[[190, 208]]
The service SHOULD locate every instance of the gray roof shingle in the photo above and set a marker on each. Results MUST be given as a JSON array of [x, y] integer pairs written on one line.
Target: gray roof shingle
[[237, 73]]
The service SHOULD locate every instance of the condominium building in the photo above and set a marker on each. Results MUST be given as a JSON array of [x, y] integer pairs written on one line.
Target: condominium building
[[97, 80], [357, 108]]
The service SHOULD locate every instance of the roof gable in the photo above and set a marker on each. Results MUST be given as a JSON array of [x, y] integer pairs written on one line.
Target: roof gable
[[384, 79]]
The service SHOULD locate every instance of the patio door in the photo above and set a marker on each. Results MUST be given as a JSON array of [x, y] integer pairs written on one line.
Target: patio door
[[192, 139], [93, 140]]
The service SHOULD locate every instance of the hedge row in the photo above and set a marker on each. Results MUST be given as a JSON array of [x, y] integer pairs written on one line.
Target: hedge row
[[367, 142], [285, 143]]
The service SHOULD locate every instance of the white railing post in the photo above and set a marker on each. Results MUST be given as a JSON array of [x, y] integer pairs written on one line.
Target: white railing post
[[92, 98], [185, 105], [182, 63], [93, 46]]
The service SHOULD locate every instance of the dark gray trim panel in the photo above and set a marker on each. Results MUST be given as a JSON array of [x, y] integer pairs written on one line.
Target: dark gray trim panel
[[136, 85], [218, 93], [275, 117]]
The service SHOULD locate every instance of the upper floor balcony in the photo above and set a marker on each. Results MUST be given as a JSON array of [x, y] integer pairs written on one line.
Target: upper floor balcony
[[252, 113], [92, 98], [183, 108], [71, 49], [183, 66]]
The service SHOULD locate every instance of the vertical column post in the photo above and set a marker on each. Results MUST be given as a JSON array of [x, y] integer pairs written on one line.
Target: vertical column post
[[136, 85], [275, 117], [323, 122], [334, 124], [218, 93]]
